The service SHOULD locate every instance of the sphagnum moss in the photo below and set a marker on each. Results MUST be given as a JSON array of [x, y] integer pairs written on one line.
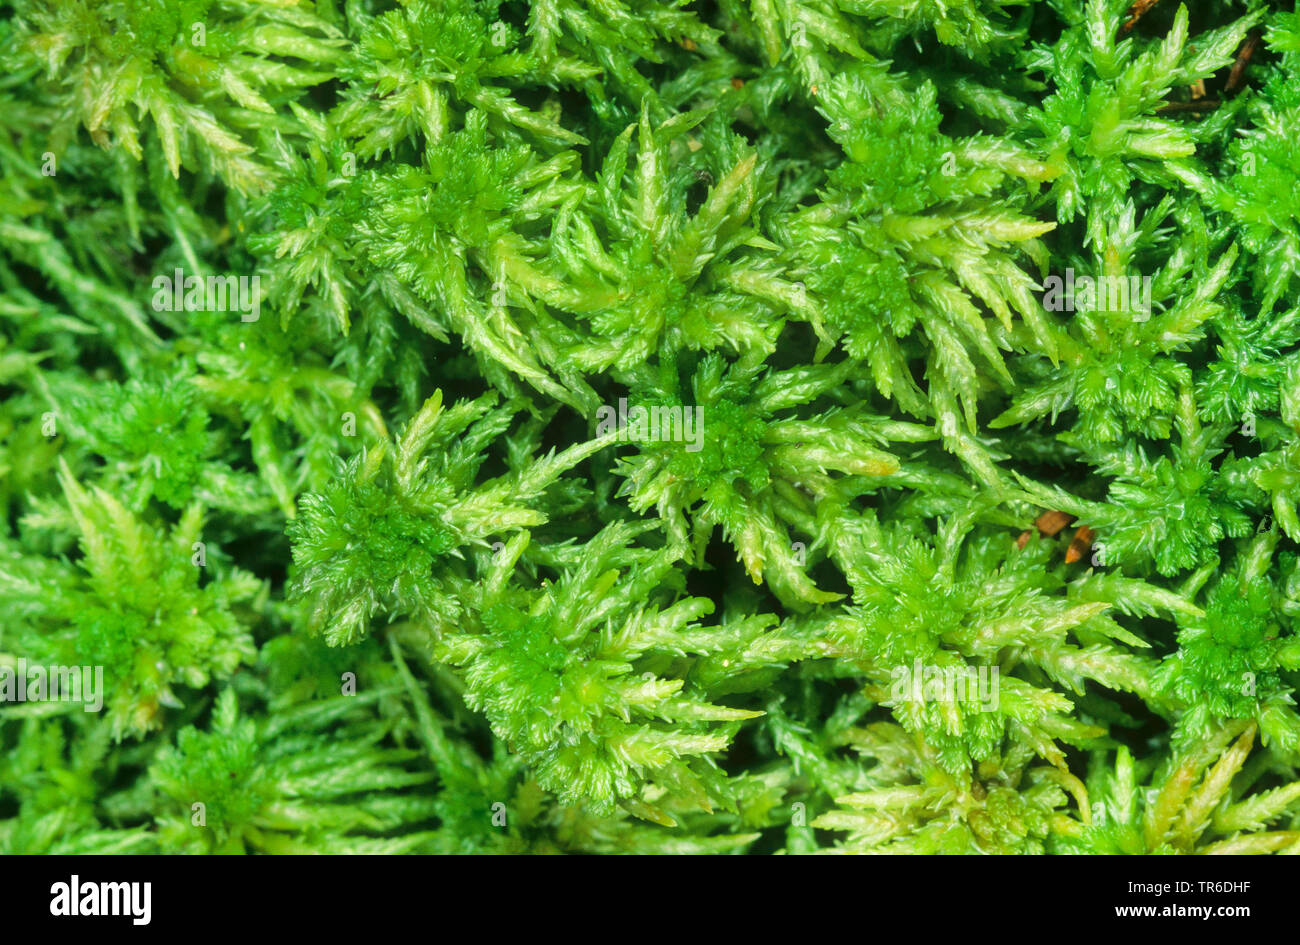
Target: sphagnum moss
[[951, 501]]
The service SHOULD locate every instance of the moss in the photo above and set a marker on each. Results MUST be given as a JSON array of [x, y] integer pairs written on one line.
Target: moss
[[949, 557]]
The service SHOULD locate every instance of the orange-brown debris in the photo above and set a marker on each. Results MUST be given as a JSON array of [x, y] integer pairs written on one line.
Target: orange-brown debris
[[1049, 523], [1079, 545], [1135, 13]]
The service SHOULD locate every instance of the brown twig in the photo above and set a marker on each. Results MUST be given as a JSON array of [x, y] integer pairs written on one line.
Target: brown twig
[[1200, 105], [1238, 73], [1135, 13]]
